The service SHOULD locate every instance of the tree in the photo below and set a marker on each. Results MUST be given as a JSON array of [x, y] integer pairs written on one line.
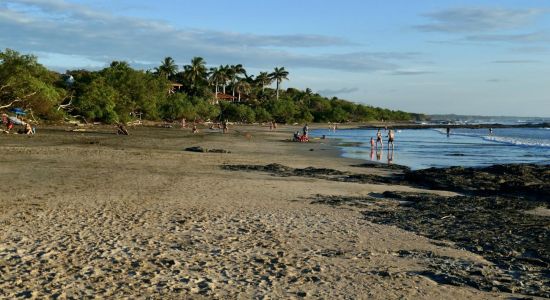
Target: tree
[[98, 101], [26, 83], [195, 74], [168, 68], [234, 72], [225, 74], [278, 75], [136, 90], [262, 115], [217, 77], [242, 86], [263, 79]]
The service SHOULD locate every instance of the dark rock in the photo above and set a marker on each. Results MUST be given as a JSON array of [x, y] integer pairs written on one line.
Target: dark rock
[[337, 200], [321, 173], [526, 180], [195, 149], [375, 165], [495, 227], [201, 149]]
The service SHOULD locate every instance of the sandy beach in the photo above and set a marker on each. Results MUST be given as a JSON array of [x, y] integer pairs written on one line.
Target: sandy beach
[[91, 214]]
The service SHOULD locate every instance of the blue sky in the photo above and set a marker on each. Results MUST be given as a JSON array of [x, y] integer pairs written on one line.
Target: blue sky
[[465, 57]]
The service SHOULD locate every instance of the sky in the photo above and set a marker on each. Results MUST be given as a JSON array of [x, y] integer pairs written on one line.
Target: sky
[[429, 56]]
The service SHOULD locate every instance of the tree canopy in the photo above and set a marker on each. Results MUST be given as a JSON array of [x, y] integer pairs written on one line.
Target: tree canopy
[[119, 93]]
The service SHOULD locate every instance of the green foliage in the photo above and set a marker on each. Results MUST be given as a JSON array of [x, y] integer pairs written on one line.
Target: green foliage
[[177, 106], [282, 110], [119, 92], [98, 102], [25, 83], [262, 115], [237, 112]]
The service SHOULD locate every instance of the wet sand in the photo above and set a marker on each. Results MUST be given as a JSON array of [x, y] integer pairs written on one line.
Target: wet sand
[[91, 214]]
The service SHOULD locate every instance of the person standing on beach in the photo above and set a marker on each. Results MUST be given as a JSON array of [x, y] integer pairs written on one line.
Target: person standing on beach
[[306, 130], [391, 137], [379, 139], [225, 127]]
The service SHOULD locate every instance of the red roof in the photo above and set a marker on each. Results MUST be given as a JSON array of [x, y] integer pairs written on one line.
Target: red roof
[[222, 96]]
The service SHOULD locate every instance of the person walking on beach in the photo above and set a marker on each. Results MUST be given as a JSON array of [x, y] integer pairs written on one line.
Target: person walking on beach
[[379, 139], [225, 127], [391, 137]]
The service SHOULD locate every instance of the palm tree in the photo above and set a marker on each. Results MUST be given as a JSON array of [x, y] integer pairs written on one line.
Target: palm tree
[[235, 71], [225, 75], [167, 68], [217, 77], [278, 75], [263, 79], [195, 73], [242, 86]]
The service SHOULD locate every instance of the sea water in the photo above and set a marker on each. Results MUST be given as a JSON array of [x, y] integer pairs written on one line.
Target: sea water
[[425, 148]]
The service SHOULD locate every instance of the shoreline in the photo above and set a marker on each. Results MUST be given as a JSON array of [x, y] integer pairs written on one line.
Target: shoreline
[[454, 126], [139, 216]]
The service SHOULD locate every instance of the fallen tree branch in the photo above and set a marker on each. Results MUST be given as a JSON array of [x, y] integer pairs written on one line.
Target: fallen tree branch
[[18, 100], [10, 104], [65, 106]]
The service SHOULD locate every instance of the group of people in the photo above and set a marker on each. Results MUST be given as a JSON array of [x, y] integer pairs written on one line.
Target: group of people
[[391, 138], [302, 138], [224, 126], [9, 123]]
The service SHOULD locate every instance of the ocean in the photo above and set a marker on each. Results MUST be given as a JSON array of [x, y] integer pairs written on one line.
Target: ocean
[[425, 148]]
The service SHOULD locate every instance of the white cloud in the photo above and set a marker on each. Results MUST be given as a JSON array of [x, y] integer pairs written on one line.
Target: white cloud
[[70, 29], [479, 19]]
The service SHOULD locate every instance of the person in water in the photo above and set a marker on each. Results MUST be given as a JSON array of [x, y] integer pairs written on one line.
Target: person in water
[[448, 131], [391, 137], [379, 139], [490, 131], [372, 143]]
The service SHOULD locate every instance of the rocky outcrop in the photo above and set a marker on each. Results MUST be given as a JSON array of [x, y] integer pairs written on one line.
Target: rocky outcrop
[[524, 180]]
